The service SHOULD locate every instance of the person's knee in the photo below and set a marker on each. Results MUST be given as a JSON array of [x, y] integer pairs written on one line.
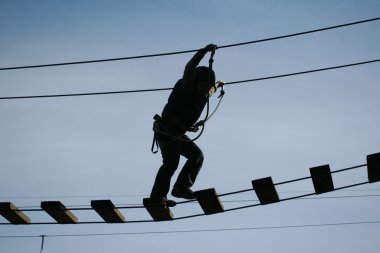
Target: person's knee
[[199, 159]]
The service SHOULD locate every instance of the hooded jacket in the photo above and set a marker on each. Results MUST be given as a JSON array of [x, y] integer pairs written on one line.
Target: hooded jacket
[[186, 102]]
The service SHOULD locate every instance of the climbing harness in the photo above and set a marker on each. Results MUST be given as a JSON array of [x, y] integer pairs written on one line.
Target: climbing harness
[[159, 126]]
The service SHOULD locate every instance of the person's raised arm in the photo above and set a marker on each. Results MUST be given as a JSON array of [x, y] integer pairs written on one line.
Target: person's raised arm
[[188, 75]]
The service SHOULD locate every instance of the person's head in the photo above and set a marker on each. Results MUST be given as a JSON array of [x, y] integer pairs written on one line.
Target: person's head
[[204, 78]]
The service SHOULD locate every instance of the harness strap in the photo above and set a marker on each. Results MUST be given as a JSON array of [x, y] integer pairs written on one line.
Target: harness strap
[[155, 145], [202, 123]]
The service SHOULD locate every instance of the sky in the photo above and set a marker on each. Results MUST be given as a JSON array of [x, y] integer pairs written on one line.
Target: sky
[[78, 149]]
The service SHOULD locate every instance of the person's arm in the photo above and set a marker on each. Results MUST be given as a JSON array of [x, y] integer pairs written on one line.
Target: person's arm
[[188, 75]]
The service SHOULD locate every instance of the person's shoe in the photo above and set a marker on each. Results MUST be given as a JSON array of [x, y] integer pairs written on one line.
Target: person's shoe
[[169, 202], [162, 201], [184, 193]]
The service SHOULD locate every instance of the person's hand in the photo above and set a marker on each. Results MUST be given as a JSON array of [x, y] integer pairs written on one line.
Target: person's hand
[[211, 48], [219, 84]]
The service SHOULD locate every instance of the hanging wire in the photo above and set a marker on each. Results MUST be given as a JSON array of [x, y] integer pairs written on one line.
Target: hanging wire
[[42, 242], [193, 50], [166, 89], [198, 230]]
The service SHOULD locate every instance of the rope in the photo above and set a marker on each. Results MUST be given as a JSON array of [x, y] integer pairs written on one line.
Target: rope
[[190, 51], [219, 102], [203, 122], [304, 72], [166, 89], [301, 33], [194, 215], [188, 201]]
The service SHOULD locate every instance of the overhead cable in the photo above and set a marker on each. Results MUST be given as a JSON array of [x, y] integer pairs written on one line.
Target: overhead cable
[[198, 230], [166, 89], [192, 50]]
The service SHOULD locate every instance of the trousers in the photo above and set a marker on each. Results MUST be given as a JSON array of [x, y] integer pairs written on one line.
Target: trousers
[[171, 150]]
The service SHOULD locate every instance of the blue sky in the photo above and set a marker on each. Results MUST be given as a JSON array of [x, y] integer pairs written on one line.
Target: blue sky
[[77, 149]]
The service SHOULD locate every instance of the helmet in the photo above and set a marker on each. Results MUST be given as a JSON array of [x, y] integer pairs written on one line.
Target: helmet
[[204, 73]]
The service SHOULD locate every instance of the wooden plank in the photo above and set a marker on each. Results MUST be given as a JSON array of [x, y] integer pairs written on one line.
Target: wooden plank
[[12, 214], [322, 179], [59, 212], [158, 209], [106, 209], [373, 166], [265, 190], [209, 201]]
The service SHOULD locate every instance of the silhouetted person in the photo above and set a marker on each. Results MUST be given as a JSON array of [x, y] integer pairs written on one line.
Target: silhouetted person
[[183, 109]]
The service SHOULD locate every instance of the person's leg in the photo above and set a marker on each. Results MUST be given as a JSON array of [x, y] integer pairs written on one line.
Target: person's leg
[[190, 170], [170, 150]]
